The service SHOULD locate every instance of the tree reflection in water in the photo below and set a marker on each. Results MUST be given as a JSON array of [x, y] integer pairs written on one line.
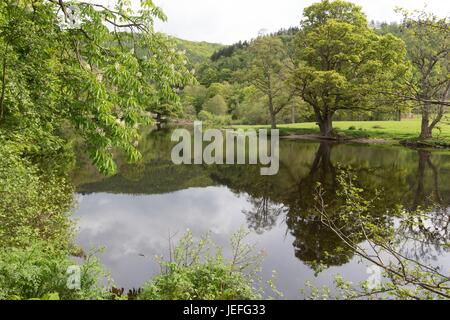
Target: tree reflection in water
[[392, 176], [390, 183]]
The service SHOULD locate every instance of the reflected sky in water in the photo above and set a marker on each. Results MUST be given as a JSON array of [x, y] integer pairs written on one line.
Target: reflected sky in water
[[132, 226]]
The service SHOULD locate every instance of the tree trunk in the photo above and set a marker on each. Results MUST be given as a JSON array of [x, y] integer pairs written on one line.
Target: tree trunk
[[425, 131], [158, 121], [293, 114], [437, 119], [325, 123], [273, 121]]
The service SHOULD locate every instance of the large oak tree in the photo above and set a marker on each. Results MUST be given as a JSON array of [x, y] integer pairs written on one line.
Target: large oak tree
[[342, 64]]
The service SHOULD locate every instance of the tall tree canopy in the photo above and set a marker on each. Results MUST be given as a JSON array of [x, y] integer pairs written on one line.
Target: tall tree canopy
[[268, 72], [428, 41], [342, 64], [83, 65]]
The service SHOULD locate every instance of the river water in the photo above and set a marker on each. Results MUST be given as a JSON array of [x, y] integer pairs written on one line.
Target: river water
[[133, 213]]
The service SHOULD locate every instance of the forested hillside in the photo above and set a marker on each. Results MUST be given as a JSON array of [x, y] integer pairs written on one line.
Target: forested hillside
[[197, 52]]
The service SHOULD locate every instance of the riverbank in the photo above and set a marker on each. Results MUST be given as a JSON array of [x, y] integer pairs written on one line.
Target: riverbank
[[368, 132]]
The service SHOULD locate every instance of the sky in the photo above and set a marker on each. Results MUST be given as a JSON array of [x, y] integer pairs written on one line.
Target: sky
[[228, 21]]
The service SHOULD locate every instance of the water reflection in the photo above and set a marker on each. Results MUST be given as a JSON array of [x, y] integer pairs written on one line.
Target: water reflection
[[135, 228], [133, 212]]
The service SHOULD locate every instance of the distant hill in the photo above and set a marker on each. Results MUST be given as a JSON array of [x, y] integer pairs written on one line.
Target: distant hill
[[227, 63], [197, 52]]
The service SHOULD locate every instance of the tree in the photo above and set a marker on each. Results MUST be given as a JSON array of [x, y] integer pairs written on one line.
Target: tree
[[222, 89], [428, 41], [253, 108], [268, 72], [163, 110], [85, 65], [195, 95], [216, 105], [342, 64]]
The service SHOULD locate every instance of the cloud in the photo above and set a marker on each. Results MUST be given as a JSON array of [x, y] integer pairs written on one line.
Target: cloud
[[228, 21], [135, 228]]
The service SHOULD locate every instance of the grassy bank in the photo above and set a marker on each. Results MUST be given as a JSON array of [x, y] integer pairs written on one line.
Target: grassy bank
[[391, 131]]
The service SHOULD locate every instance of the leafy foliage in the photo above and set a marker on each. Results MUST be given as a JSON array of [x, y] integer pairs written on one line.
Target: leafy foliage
[[36, 233], [34, 204], [268, 72], [38, 271], [198, 52], [342, 63], [216, 105], [405, 275], [428, 41], [194, 271], [228, 50], [97, 80]]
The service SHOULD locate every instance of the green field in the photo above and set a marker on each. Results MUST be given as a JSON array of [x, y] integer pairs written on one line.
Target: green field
[[389, 130]]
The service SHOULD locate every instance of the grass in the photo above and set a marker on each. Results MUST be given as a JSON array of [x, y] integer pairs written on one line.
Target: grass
[[387, 130]]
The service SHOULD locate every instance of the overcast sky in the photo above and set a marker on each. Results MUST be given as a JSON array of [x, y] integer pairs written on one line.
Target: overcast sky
[[228, 21]]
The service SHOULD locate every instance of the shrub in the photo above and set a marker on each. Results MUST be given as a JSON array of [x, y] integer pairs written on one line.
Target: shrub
[[214, 120], [253, 110], [189, 112], [204, 116], [197, 272], [220, 121], [38, 271], [33, 204], [36, 232], [216, 105], [211, 280]]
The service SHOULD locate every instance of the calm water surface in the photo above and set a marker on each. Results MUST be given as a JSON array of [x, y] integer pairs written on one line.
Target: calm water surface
[[132, 213]]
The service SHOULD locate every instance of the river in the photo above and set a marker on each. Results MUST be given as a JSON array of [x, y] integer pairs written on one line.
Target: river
[[133, 213]]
